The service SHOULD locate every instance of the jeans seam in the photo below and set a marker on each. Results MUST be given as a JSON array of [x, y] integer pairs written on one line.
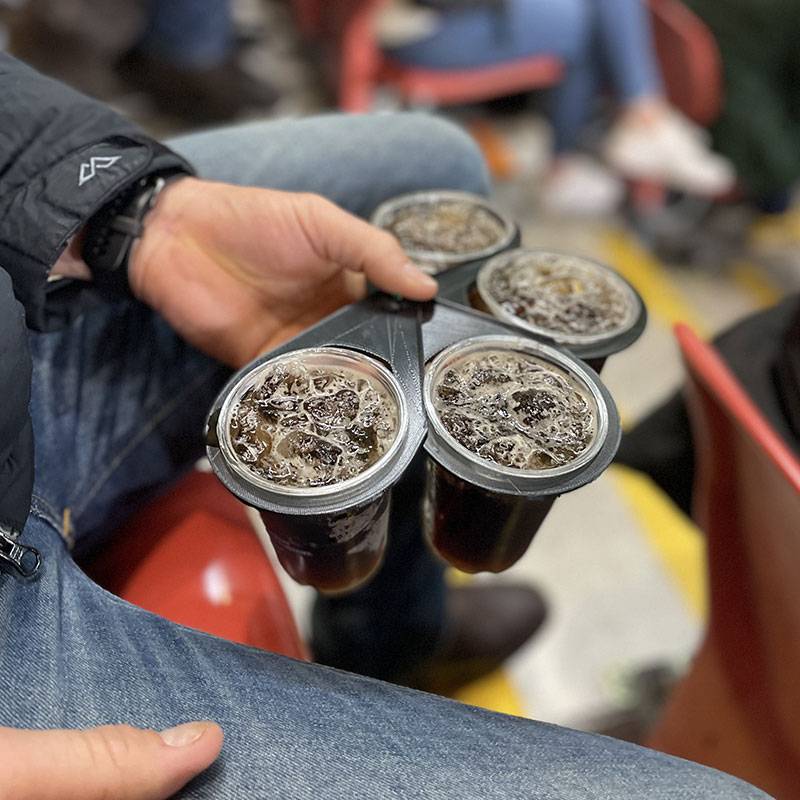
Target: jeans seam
[[42, 509], [153, 422]]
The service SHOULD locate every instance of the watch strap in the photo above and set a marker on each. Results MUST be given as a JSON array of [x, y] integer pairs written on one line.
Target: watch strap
[[111, 233]]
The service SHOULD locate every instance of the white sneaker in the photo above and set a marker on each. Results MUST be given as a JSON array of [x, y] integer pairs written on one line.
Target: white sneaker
[[400, 23], [670, 150], [580, 187]]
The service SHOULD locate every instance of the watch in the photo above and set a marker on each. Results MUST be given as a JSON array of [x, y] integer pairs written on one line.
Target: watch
[[111, 233]]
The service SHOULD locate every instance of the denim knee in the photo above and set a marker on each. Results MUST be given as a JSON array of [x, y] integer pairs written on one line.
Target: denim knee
[[448, 158]]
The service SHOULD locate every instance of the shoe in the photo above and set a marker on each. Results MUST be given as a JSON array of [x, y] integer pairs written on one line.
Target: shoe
[[401, 24], [198, 96], [578, 186], [486, 624], [668, 150]]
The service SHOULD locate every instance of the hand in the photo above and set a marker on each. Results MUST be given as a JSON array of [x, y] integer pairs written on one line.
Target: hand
[[237, 271], [111, 762]]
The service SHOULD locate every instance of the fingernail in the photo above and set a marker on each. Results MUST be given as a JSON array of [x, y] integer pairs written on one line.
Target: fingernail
[[420, 277], [429, 282], [183, 735]]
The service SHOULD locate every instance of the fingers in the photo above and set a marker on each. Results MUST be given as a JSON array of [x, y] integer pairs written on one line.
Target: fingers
[[360, 247], [113, 761]]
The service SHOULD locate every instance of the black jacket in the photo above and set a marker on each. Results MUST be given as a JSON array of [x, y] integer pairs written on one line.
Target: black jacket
[[62, 157]]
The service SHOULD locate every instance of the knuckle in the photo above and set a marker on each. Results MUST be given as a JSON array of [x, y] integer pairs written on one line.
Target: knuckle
[[389, 242], [314, 201], [109, 751]]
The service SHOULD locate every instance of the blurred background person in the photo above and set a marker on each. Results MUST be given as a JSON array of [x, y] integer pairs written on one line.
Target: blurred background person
[[763, 351], [759, 125], [602, 43], [185, 59]]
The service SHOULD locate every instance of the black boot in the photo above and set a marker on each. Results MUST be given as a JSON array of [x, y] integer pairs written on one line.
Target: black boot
[[485, 625]]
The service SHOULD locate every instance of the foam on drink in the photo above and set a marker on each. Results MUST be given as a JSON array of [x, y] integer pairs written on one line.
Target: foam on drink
[[515, 409], [310, 426], [445, 226], [567, 297]]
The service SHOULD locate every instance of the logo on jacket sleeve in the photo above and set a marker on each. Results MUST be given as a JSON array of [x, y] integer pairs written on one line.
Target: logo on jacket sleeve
[[89, 168]]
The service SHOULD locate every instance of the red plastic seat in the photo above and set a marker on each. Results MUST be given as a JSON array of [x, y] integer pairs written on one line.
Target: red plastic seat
[[690, 60], [307, 17], [738, 709], [345, 29], [193, 557]]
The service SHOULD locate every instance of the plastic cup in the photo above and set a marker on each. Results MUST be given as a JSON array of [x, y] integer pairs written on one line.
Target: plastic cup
[[480, 515], [331, 536], [440, 230], [575, 302]]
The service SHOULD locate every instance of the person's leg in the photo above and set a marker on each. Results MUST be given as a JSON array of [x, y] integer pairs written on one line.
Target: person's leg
[[576, 184], [479, 37], [395, 623], [73, 656], [650, 140], [186, 61], [358, 161], [187, 33], [625, 38], [118, 402]]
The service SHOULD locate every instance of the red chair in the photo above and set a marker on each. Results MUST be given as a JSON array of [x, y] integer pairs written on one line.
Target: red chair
[[193, 557], [307, 17], [345, 30], [690, 60], [738, 709]]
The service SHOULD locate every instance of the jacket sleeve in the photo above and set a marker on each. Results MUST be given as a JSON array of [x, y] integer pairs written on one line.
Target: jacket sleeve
[[16, 437], [62, 157]]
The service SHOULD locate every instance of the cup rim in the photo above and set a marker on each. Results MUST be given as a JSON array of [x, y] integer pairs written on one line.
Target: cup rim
[[357, 359], [567, 340], [388, 207], [570, 365]]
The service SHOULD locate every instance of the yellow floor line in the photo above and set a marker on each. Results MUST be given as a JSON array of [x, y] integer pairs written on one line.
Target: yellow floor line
[[663, 299], [495, 692], [754, 282], [672, 536]]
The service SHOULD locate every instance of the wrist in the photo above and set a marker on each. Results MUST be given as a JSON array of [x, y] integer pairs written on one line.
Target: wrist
[[70, 263], [112, 233], [160, 227]]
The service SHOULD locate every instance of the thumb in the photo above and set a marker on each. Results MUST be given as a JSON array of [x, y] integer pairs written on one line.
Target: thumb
[[358, 246], [113, 761]]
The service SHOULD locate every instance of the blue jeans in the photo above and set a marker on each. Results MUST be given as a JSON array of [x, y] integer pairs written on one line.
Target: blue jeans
[[598, 41], [189, 33], [117, 405]]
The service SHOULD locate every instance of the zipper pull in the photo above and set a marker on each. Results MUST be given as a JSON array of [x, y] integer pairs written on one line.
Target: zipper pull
[[24, 559]]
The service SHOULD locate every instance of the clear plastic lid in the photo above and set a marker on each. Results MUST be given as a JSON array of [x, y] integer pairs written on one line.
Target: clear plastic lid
[[568, 299], [519, 404], [316, 359], [468, 227]]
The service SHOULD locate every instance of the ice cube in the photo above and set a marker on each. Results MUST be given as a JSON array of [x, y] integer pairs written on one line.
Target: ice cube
[[488, 376], [533, 406], [307, 447], [333, 411], [366, 440], [464, 430]]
